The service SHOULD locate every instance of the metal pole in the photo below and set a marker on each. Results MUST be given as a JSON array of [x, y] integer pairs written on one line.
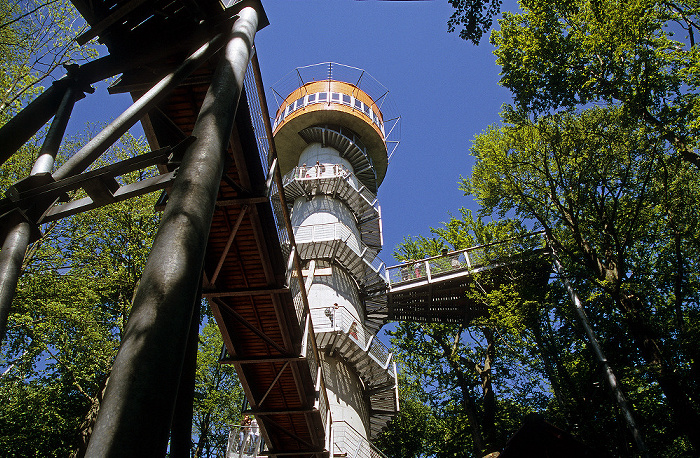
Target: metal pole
[[135, 417], [181, 428], [49, 149], [17, 238], [610, 378], [11, 257], [103, 140]]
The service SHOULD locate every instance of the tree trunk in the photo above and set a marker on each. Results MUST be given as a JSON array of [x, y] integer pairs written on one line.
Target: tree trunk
[[680, 403], [88, 423], [489, 422]]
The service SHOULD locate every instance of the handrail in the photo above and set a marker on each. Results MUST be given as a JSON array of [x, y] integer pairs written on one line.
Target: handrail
[[369, 257], [316, 98], [331, 170], [245, 441], [330, 319], [284, 209], [348, 440], [450, 262]]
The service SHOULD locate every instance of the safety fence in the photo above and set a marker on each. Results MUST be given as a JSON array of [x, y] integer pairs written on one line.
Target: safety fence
[[245, 441], [331, 171], [470, 260], [347, 441], [342, 234], [331, 319], [263, 132]]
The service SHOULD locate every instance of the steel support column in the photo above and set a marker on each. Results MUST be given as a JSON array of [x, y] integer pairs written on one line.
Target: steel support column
[[609, 375], [135, 417], [11, 257], [181, 428], [17, 239]]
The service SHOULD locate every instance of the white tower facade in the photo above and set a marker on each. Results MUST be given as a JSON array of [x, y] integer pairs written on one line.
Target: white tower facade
[[331, 142]]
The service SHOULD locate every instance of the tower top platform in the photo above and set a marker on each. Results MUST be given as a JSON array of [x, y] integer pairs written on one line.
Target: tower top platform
[[337, 97]]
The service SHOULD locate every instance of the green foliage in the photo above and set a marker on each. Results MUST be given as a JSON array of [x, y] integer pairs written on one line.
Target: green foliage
[[218, 396], [475, 18], [619, 207], [468, 388], [71, 303], [564, 54], [37, 37]]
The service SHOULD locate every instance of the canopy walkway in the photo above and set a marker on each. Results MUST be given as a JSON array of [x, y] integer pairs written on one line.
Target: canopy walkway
[[434, 290]]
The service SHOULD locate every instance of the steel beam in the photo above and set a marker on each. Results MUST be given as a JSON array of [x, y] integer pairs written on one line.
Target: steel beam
[[181, 428], [82, 159], [18, 237], [245, 292], [136, 413]]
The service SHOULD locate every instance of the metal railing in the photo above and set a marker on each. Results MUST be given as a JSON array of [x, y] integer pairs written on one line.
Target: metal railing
[[326, 232], [331, 319], [328, 98], [471, 260], [326, 171], [348, 442], [245, 442], [268, 155]]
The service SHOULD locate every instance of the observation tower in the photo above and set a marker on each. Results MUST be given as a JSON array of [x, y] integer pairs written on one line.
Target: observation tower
[[334, 133]]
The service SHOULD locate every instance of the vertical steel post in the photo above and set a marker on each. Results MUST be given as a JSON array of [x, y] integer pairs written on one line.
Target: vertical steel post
[[17, 239], [49, 149], [181, 428], [11, 257], [135, 417], [610, 378]]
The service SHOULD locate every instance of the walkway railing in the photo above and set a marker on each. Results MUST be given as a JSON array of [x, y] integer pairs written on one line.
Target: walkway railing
[[327, 232], [326, 171], [330, 319], [348, 442], [245, 442], [471, 260]]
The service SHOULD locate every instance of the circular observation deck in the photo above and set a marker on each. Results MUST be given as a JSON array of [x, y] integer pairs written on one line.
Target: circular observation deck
[[344, 110]]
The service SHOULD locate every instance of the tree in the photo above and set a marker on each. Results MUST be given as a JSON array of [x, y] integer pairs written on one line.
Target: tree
[[482, 378], [473, 17], [69, 311], [218, 396], [619, 207], [558, 55], [37, 37]]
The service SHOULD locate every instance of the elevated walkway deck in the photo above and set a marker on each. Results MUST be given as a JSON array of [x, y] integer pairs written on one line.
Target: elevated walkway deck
[[434, 290]]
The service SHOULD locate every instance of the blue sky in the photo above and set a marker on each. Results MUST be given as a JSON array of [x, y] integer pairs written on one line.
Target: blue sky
[[445, 89]]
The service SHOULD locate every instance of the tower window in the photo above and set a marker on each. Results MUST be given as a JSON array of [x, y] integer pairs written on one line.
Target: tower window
[[346, 99], [335, 96], [312, 98], [358, 104], [322, 96]]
